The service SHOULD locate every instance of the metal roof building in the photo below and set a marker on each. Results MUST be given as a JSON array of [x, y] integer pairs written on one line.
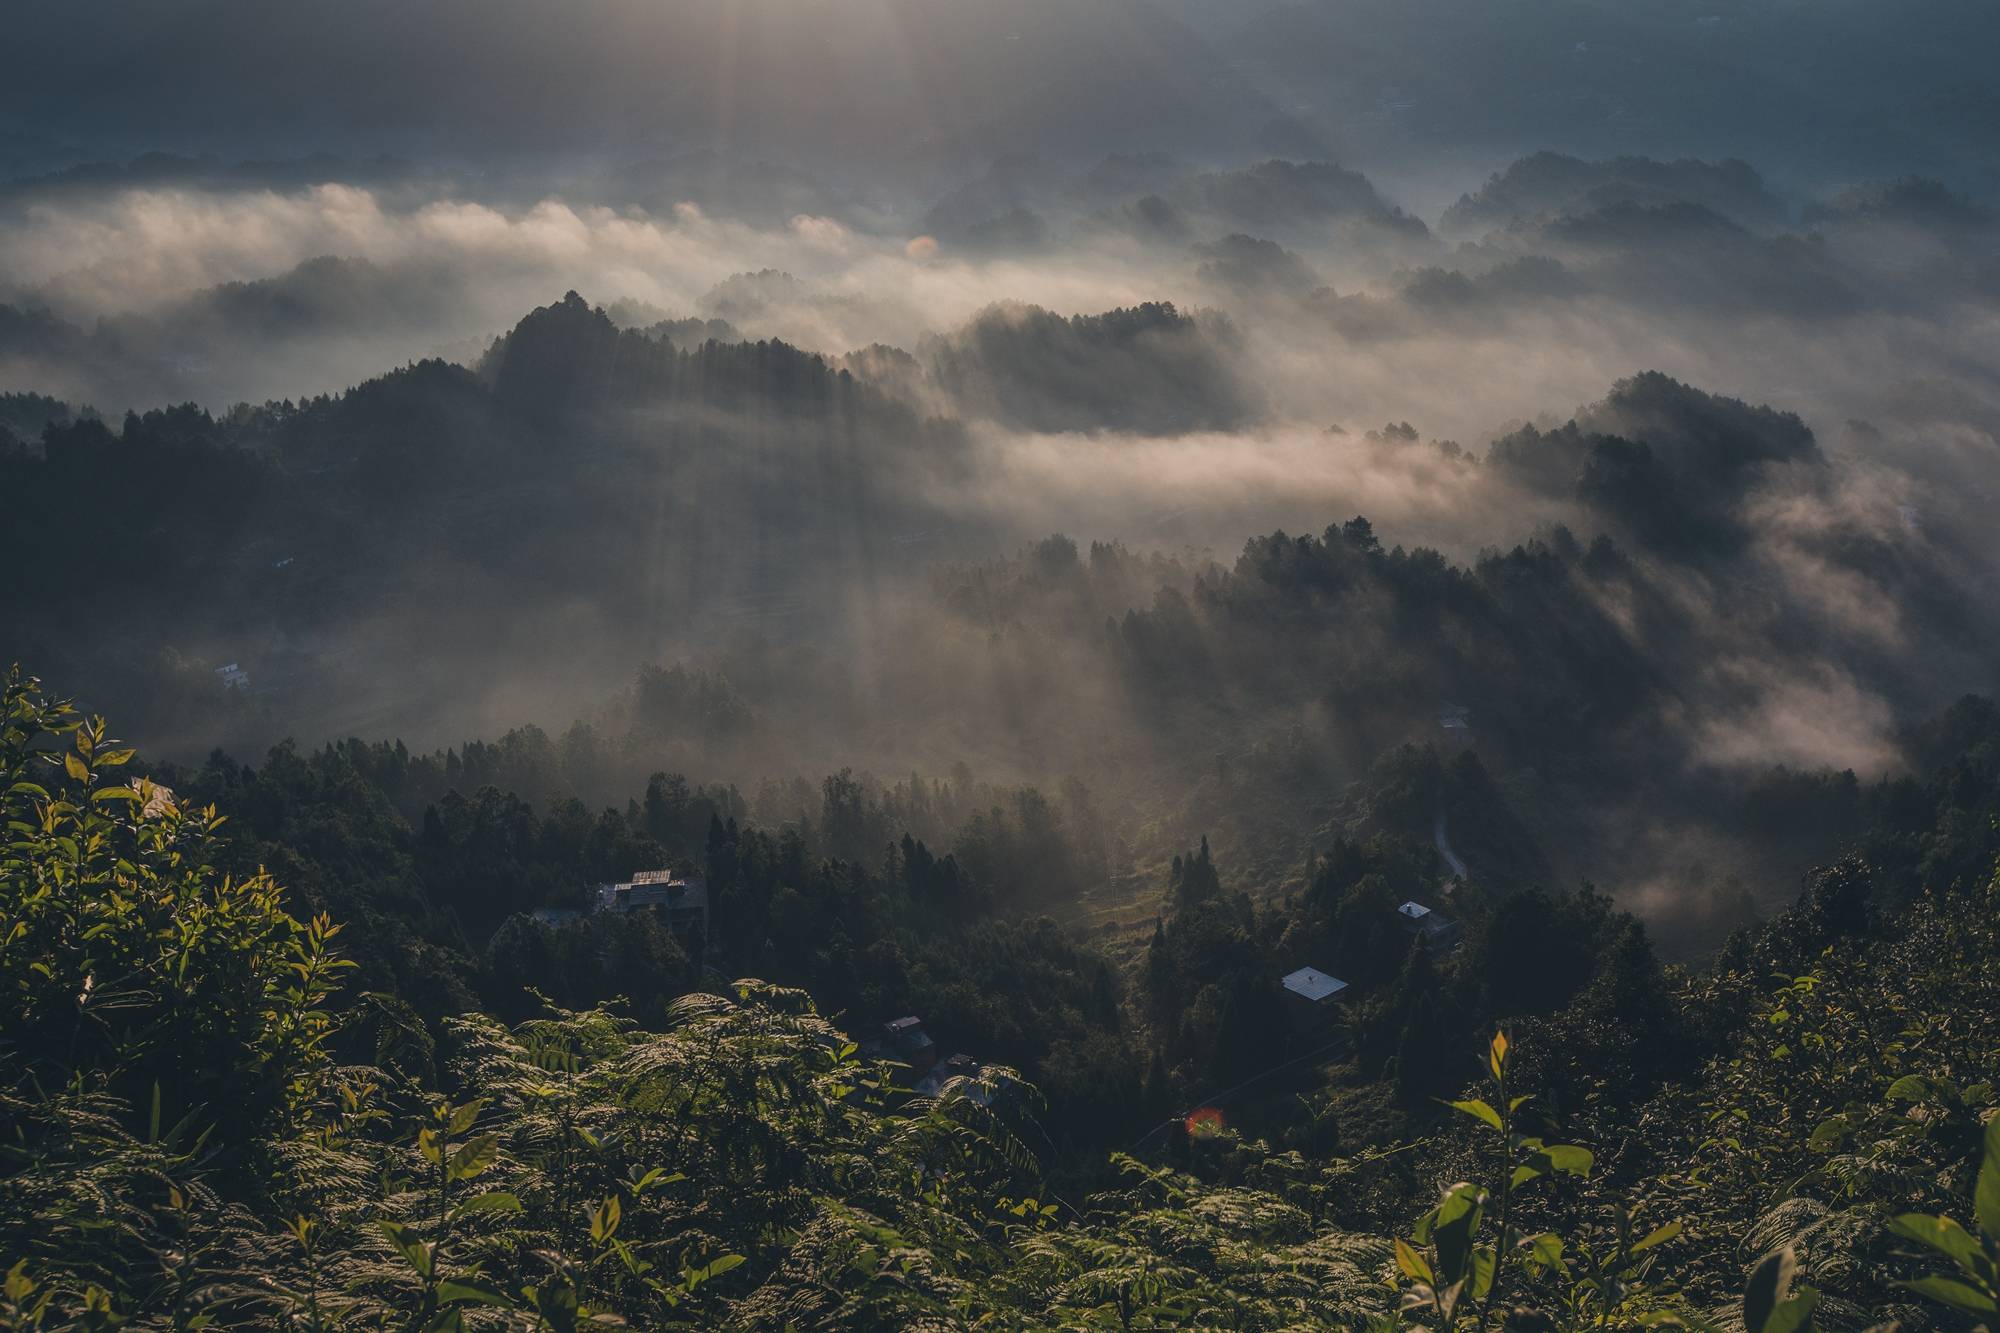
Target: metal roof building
[[1309, 983]]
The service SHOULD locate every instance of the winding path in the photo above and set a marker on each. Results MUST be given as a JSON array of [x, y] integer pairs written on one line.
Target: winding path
[[1442, 842]]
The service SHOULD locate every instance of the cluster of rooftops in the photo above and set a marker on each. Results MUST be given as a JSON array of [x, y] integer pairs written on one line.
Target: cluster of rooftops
[[904, 1040], [1313, 991], [678, 898]]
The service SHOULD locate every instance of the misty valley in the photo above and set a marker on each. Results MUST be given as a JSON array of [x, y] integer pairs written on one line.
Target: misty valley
[[794, 666]]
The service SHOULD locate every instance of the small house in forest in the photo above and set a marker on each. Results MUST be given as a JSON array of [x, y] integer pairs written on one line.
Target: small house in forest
[[680, 900], [1314, 998], [958, 1066], [906, 1040], [1433, 927]]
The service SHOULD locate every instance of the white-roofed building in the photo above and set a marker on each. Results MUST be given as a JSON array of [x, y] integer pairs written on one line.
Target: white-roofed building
[[1433, 927], [1314, 997]]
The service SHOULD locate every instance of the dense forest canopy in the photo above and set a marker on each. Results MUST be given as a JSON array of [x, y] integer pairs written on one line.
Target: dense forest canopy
[[1690, 625], [217, 1118]]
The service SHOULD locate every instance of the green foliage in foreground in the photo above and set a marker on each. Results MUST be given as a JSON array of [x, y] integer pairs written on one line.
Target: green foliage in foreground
[[183, 1149]]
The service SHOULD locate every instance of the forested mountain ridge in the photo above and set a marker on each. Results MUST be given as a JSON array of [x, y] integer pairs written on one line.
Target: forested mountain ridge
[[1648, 646], [209, 1127], [302, 538]]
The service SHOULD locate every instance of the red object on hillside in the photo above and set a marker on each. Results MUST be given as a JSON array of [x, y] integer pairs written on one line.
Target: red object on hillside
[[1204, 1120]]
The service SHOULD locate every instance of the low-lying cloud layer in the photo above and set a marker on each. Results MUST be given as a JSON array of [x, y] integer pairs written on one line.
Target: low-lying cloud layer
[[165, 293], [1704, 474]]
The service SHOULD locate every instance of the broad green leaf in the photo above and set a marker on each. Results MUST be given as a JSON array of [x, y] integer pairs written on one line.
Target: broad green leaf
[[414, 1251], [472, 1291], [1569, 1158], [1485, 1263], [1454, 1228], [1550, 1159], [1795, 1314], [1496, 1055], [1658, 1236], [1770, 1284], [474, 1156], [1942, 1234], [1479, 1110], [694, 1277], [1545, 1250], [498, 1201], [1986, 1194], [555, 1299], [604, 1218], [1956, 1294], [1412, 1263]]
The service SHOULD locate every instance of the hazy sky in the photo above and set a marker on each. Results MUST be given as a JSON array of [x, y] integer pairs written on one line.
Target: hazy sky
[[1816, 92]]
